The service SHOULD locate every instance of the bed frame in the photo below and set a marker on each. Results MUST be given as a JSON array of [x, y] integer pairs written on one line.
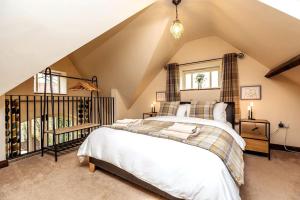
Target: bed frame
[[93, 163]]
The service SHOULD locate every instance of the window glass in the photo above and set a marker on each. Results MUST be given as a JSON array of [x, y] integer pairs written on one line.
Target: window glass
[[215, 79], [204, 78], [290, 7], [205, 83], [188, 81], [59, 84]]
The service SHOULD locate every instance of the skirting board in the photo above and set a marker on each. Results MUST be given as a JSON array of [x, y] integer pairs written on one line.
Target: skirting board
[[281, 147], [3, 164]]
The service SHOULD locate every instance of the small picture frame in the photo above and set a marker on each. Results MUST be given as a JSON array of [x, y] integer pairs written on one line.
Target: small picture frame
[[160, 96], [250, 92]]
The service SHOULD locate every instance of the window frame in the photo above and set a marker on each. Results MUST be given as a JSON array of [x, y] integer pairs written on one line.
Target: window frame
[[60, 82], [201, 70]]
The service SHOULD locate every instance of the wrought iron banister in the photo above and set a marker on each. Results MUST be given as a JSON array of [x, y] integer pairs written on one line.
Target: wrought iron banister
[[24, 116]]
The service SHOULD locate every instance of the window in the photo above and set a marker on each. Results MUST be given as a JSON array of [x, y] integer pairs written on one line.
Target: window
[[59, 84], [210, 78], [290, 7]]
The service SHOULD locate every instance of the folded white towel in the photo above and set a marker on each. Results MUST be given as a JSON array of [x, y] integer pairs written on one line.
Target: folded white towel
[[126, 121], [197, 132], [122, 124], [183, 128], [176, 134], [118, 125], [180, 135]]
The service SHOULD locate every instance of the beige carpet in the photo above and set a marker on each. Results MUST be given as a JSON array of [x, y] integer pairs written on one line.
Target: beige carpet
[[38, 178]]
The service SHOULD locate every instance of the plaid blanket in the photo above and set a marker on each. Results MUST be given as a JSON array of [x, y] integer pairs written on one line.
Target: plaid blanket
[[211, 138]]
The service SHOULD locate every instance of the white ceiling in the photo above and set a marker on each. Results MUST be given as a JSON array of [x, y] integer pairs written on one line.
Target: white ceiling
[[35, 34]]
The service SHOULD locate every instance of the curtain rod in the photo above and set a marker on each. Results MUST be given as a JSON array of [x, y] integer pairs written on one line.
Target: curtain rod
[[239, 55]]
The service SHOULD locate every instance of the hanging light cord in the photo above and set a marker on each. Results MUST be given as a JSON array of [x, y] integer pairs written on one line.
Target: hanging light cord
[[176, 13]]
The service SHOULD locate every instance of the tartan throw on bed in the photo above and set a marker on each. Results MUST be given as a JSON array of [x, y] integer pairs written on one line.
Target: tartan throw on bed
[[202, 111], [211, 138]]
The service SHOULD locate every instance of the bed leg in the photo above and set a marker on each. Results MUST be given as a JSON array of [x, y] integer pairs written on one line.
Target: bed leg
[[92, 167]]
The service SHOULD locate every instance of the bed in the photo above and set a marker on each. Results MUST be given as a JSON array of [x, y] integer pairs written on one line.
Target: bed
[[169, 168]]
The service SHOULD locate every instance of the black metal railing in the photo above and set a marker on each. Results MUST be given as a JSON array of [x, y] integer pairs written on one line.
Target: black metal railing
[[23, 120]]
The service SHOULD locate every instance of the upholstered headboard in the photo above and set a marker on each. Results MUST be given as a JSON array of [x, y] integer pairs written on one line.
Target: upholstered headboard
[[230, 114]]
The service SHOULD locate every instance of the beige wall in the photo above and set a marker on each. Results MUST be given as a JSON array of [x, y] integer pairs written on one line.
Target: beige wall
[[2, 128], [280, 96]]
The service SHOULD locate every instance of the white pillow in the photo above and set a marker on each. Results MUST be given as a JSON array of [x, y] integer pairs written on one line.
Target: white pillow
[[181, 110], [219, 112]]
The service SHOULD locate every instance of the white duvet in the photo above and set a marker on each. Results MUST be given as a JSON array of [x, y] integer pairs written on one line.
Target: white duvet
[[182, 170]]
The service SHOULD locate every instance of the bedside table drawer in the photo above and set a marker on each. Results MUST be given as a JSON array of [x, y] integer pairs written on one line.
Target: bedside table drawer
[[257, 145]]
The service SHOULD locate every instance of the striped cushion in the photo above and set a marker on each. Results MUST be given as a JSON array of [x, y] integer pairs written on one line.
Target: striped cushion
[[202, 111], [168, 108]]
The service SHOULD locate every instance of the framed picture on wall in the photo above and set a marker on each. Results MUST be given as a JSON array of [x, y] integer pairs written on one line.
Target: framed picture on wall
[[251, 92], [160, 96]]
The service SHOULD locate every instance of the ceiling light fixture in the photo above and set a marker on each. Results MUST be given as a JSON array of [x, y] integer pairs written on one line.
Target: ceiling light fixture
[[177, 27]]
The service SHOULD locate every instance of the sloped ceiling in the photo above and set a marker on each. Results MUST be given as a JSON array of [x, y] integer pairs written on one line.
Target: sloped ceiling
[[35, 34], [265, 33], [129, 58], [133, 55]]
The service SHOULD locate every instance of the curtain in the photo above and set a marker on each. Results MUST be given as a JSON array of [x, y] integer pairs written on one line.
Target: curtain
[[230, 83], [172, 85]]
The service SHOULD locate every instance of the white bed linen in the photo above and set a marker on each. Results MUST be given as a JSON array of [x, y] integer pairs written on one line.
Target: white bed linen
[[182, 170]]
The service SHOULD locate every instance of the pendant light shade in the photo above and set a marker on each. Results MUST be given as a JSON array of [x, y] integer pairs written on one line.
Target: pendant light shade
[[177, 28]]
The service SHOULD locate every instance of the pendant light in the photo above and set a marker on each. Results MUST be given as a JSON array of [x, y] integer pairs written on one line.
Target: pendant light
[[177, 27]]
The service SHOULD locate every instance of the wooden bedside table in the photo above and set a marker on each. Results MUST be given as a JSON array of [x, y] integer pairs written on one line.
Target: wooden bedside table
[[256, 133], [149, 114]]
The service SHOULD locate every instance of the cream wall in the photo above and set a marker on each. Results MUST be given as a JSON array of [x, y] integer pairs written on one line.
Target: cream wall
[[280, 96], [2, 128]]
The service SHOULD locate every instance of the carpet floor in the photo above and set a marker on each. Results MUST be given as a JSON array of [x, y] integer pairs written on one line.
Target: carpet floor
[[38, 178]]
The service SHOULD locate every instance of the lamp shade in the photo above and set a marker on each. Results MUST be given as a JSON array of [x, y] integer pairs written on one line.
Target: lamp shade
[[177, 29]]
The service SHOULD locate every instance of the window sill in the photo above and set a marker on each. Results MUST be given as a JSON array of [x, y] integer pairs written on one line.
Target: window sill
[[200, 89]]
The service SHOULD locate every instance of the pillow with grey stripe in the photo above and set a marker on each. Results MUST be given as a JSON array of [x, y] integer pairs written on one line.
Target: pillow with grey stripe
[[168, 108]]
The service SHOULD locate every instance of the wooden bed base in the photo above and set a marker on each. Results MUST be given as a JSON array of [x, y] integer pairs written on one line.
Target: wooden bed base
[[93, 163]]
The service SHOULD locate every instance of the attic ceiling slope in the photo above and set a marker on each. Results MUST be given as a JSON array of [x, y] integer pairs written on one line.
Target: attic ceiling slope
[[122, 60], [128, 58], [36, 34], [265, 33]]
